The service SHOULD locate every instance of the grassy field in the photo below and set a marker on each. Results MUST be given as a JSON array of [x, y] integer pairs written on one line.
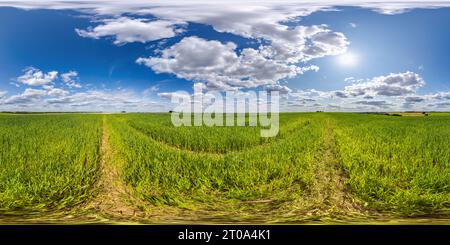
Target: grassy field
[[400, 165], [322, 167], [47, 162]]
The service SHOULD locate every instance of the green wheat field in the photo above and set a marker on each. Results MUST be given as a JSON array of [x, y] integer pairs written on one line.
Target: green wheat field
[[138, 168]]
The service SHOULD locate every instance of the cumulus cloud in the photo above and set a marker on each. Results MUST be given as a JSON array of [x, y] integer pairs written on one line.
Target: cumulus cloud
[[339, 94], [400, 85], [324, 43], [377, 103], [440, 105], [151, 89], [49, 97], [28, 96], [394, 84], [71, 79], [127, 30], [57, 92], [277, 87], [95, 98], [441, 96], [414, 99], [174, 95], [281, 48], [219, 66], [395, 91], [35, 77], [435, 101], [56, 99]]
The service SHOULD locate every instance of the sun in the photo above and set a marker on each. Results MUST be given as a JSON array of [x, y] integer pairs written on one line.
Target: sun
[[348, 59]]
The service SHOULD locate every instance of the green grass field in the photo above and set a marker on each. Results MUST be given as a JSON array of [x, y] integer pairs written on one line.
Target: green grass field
[[322, 167]]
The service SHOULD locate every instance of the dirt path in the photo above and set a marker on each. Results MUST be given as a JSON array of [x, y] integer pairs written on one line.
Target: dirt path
[[330, 195], [113, 200]]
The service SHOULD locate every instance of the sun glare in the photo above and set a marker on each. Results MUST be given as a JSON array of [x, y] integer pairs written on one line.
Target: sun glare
[[348, 59]]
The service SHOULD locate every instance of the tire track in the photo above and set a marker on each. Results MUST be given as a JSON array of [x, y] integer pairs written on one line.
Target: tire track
[[113, 200], [331, 196]]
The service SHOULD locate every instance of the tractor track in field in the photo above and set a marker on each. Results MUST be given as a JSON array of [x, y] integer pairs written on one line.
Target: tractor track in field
[[113, 200], [330, 195]]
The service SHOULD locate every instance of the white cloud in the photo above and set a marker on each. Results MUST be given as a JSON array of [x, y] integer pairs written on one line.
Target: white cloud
[[57, 92], [177, 95], [28, 96], [127, 30], [95, 98], [339, 94], [151, 89], [393, 92], [35, 77], [219, 66], [349, 79], [119, 7], [325, 43], [56, 99], [70, 79], [394, 84], [51, 98], [277, 87], [377, 103], [441, 96], [399, 86], [442, 106], [282, 46], [414, 99], [436, 101]]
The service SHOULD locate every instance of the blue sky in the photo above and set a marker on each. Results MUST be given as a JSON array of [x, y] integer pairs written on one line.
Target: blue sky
[[112, 57]]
